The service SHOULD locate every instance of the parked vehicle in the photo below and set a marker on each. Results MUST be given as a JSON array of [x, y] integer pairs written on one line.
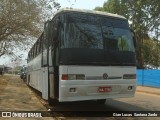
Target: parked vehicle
[[1, 69], [23, 73], [83, 55]]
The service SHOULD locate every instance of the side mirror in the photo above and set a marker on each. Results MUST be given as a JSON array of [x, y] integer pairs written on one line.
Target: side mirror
[[134, 37]]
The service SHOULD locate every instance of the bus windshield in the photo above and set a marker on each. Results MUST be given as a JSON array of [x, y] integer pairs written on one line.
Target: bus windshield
[[96, 39], [97, 32]]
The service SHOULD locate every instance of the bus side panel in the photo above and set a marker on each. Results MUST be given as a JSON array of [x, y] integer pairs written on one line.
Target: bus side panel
[[45, 83], [34, 74], [38, 76]]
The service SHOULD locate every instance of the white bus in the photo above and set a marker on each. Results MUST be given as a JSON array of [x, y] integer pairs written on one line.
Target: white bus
[[83, 55]]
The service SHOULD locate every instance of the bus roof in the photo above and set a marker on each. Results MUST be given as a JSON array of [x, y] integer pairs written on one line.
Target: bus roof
[[90, 11]]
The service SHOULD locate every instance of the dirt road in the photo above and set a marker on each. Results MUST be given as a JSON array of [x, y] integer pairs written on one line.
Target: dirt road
[[16, 96]]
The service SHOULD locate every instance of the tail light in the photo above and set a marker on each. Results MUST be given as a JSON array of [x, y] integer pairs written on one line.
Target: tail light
[[64, 77], [73, 77]]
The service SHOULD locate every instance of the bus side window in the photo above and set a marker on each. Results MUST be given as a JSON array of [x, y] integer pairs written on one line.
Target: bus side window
[[45, 36], [56, 36], [45, 45], [32, 53], [29, 57], [41, 42], [35, 50], [54, 31]]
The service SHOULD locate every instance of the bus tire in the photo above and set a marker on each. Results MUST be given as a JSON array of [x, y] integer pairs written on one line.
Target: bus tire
[[101, 101]]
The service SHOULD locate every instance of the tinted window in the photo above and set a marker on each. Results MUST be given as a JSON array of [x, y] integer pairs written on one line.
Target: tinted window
[[96, 32], [82, 31], [117, 39]]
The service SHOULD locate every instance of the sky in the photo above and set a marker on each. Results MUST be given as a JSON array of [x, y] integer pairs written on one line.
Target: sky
[[80, 4]]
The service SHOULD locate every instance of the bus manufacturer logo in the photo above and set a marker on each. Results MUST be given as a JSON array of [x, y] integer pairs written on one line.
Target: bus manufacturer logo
[[105, 76]]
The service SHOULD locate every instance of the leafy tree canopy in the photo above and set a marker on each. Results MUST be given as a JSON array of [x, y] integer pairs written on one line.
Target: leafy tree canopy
[[145, 18], [21, 20]]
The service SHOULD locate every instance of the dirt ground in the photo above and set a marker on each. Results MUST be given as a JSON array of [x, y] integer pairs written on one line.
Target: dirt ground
[[16, 96]]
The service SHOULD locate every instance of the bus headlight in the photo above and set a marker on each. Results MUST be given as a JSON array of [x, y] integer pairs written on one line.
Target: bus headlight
[[73, 77], [129, 76]]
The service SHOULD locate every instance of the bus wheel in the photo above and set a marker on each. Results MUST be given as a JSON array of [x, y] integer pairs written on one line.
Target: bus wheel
[[102, 101]]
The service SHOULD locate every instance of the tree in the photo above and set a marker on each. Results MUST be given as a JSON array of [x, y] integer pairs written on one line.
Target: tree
[[144, 16], [151, 52], [21, 21]]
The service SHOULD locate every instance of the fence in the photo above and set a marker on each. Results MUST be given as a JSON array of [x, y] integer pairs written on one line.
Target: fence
[[148, 78]]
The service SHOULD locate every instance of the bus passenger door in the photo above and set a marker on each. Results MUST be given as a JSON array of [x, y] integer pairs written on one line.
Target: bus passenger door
[[45, 61], [55, 57], [54, 79]]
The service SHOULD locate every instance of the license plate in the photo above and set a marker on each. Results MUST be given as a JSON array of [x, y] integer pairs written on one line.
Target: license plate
[[104, 89]]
